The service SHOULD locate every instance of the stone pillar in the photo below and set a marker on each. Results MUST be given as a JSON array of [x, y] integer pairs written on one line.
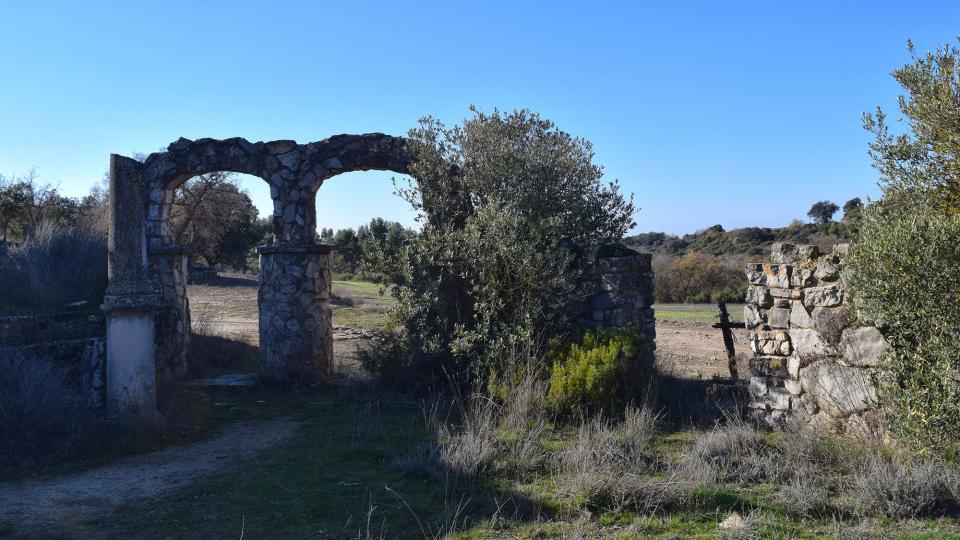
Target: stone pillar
[[130, 301], [168, 266], [296, 329]]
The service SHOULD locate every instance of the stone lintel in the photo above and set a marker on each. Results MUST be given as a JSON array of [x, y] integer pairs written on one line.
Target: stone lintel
[[294, 248]]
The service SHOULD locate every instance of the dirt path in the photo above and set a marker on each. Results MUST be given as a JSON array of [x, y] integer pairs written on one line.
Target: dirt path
[[65, 505]]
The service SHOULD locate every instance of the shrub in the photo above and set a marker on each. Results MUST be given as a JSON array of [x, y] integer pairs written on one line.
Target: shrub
[[734, 451], [592, 373], [508, 201], [611, 464], [899, 490], [904, 265], [42, 416], [58, 266]]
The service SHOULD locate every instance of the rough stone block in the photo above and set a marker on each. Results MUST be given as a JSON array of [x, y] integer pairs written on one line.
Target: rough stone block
[[839, 390], [827, 270], [759, 296], [790, 294], [777, 275], [830, 322], [752, 316], [793, 386], [863, 346], [799, 317], [779, 399], [786, 253], [758, 386], [755, 274], [778, 317], [771, 342], [828, 296], [808, 343], [802, 277]]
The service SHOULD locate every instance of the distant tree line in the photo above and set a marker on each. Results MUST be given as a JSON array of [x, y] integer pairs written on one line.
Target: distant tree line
[[357, 251], [707, 265]]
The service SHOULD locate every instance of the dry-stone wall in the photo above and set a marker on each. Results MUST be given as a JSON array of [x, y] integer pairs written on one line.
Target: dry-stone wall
[[72, 342], [811, 361], [619, 282]]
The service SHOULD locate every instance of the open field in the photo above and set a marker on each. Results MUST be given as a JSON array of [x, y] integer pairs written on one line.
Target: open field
[[696, 313]]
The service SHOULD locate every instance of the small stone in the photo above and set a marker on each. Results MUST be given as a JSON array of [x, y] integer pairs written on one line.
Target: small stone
[[779, 399], [758, 386], [793, 387]]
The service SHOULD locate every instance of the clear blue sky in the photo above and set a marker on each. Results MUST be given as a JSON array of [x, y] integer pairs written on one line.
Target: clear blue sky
[[710, 112]]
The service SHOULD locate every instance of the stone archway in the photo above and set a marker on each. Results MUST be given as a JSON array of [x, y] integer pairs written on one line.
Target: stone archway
[[148, 317]]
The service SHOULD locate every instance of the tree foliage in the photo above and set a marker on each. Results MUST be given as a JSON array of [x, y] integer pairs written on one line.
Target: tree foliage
[[506, 199], [822, 212], [905, 262], [215, 219]]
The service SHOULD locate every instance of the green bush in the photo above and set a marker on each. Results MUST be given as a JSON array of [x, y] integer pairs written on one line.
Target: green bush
[[904, 265], [905, 268], [593, 373]]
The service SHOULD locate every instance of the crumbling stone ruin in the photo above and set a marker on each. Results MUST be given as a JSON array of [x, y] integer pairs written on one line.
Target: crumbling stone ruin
[[146, 305], [74, 342], [810, 357]]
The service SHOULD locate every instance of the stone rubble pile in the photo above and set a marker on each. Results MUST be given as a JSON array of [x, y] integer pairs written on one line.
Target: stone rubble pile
[[810, 360]]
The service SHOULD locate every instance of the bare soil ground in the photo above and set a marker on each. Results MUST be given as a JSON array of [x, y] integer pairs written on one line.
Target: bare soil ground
[[69, 504], [694, 350]]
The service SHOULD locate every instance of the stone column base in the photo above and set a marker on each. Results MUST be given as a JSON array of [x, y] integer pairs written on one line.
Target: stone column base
[[131, 361], [296, 330]]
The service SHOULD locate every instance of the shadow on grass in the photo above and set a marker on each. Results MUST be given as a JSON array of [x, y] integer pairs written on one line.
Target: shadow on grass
[[336, 477]]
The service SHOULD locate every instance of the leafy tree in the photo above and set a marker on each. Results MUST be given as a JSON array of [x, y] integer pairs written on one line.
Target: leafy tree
[[905, 262], [822, 212], [215, 219], [852, 209], [348, 250], [505, 198], [27, 206]]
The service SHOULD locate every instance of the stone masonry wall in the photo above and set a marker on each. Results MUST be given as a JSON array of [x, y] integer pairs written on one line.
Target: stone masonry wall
[[296, 338], [620, 282], [72, 342], [809, 360]]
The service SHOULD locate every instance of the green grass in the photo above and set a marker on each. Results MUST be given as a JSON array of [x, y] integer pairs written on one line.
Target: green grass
[[370, 309], [696, 313], [336, 479]]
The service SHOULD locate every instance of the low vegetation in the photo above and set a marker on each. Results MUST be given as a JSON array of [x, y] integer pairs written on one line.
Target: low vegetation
[[43, 418]]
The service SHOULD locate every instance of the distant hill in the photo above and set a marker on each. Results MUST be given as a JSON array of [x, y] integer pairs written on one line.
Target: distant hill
[[752, 241]]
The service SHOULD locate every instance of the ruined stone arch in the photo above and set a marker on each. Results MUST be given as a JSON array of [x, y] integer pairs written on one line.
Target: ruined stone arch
[[146, 300]]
